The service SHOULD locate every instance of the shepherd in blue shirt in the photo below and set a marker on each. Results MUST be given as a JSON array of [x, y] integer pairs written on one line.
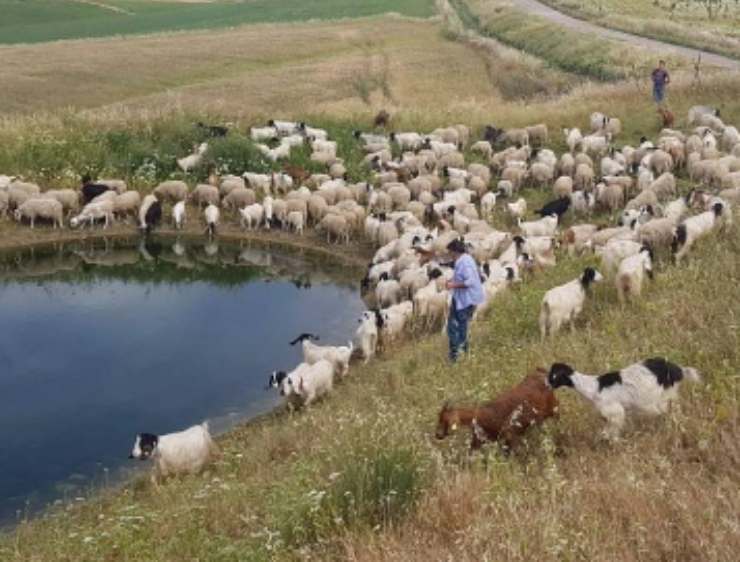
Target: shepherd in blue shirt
[[467, 293]]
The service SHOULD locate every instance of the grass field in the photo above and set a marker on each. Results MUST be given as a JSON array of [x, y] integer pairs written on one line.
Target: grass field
[[33, 21], [683, 23], [259, 70], [360, 477]]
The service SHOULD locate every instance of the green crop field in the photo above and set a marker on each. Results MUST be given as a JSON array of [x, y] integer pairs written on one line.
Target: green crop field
[[34, 21]]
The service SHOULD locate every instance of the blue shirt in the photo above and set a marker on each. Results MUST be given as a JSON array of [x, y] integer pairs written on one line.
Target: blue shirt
[[466, 272]]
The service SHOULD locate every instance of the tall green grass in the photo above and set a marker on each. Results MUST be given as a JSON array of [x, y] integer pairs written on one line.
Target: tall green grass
[[33, 21]]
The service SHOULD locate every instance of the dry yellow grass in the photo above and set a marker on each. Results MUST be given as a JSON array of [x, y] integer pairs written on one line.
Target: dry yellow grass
[[246, 71]]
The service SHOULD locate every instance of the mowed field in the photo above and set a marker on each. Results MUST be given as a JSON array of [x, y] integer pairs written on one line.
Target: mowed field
[[33, 21], [321, 67]]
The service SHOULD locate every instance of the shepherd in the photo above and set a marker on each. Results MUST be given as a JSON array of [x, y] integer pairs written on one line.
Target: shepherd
[[660, 78]]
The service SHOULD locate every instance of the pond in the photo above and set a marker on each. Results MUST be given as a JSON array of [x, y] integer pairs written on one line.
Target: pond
[[100, 341]]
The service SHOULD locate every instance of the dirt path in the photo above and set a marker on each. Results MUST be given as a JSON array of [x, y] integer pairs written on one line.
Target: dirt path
[[538, 9]]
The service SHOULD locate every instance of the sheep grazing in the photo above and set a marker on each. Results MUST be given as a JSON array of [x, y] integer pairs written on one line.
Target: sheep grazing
[[94, 211], [212, 216], [614, 251], [92, 190], [338, 356], [558, 207], [307, 382], [295, 221], [184, 452], [335, 226], [647, 387], [693, 228], [172, 191], [507, 417], [191, 161], [179, 215], [33, 209], [561, 305], [126, 203], [546, 226], [252, 216], [205, 194], [631, 272], [576, 238]]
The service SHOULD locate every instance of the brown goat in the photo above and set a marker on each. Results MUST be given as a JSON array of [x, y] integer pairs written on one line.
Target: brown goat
[[667, 117], [507, 417], [382, 119]]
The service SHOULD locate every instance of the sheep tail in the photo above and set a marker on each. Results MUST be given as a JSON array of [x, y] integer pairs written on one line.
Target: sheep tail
[[691, 374]]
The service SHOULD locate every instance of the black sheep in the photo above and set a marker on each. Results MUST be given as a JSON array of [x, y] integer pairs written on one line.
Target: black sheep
[[153, 216], [91, 190], [557, 207]]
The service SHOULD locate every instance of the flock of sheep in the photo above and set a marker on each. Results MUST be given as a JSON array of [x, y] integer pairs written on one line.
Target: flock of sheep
[[423, 195]]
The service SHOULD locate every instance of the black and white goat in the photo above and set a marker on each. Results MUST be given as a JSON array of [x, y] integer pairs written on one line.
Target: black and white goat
[[338, 356], [183, 452], [562, 304], [647, 387]]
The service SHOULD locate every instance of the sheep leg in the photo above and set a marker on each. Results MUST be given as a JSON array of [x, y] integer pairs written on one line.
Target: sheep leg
[[615, 417]]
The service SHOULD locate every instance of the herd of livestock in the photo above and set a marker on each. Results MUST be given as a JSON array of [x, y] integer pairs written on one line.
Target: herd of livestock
[[425, 190]]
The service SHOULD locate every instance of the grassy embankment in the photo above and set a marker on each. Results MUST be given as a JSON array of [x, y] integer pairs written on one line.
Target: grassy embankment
[[569, 50], [359, 476], [34, 21], [682, 23]]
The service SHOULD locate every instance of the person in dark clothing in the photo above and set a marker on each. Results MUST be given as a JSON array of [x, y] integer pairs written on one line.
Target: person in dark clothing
[[660, 78]]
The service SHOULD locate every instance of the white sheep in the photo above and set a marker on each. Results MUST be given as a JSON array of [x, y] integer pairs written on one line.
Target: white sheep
[[647, 387], [309, 382], [205, 194], [212, 215], [518, 209], [189, 162], [126, 203], [631, 272], [488, 204], [172, 190], [546, 226], [367, 333], [295, 221], [338, 356], [252, 216], [184, 452], [263, 133], [33, 209], [614, 251], [561, 305], [387, 291], [395, 319], [693, 228], [179, 215]]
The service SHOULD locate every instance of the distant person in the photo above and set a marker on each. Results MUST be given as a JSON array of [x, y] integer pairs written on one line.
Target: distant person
[[660, 78], [467, 293]]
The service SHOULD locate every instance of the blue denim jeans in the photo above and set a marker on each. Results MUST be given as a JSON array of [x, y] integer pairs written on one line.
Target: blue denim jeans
[[658, 93], [457, 329]]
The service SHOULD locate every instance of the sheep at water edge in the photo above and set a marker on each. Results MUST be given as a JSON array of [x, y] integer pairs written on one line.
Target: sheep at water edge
[[184, 452]]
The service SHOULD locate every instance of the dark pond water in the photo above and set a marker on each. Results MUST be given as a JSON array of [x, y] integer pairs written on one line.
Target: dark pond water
[[99, 342]]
